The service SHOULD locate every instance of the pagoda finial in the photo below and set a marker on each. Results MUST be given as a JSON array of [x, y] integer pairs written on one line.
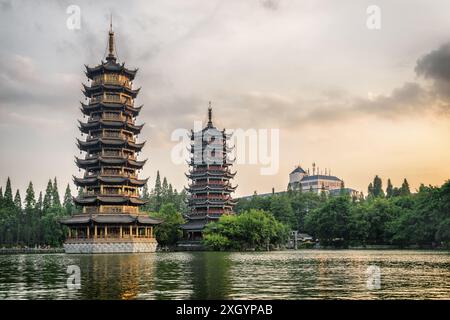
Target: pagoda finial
[[111, 42], [210, 115]]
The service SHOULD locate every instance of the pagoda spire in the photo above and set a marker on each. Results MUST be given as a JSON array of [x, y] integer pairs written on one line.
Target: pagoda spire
[[210, 124], [111, 55]]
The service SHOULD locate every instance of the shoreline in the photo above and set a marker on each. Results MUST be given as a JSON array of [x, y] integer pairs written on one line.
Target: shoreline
[[12, 251]]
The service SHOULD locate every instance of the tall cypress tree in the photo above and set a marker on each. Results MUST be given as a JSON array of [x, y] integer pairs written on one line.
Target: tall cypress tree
[[18, 200], [1, 194], [378, 187], [47, 203], [55, 195], [165, 191], [389, 189], [370, 190], [157, 191], [68, 204], [404, 190], [39, 202], [8, 197], [170, 196], [30, 200]]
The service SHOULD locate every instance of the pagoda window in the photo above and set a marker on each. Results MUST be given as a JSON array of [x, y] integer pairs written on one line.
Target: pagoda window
[[111, 153], [111, 97], [112, 171], [111, 134], [111, 190]]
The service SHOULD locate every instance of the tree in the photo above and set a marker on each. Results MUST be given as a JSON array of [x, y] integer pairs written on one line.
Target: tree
[[30, 200], [68, 203], [47, 203], [281, 209], [377, 187], [253, 229], [39, 202], [56, 202], [330, 223], [8, 197], [157, 192], [370, 190], [165, 191], [389, 189], [168, 232], [404, 190], [18, 200]]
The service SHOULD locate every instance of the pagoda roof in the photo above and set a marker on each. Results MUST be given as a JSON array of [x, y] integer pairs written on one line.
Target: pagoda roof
[[87, 200], [110, 66], [109, 218], [212, 173], [95, 161], [89, 91], [85, 127], [100, 142], [212, 203], [194, 225], [108, 180], [211, 188], [88, 108]]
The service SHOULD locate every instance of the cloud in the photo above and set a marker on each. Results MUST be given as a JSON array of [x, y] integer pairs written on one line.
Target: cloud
[[435, 66]]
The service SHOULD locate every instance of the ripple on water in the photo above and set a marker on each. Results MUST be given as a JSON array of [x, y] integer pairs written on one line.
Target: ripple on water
[[302, 274]]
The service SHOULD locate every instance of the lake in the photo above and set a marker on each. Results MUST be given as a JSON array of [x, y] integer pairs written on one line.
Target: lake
[[302, 274]]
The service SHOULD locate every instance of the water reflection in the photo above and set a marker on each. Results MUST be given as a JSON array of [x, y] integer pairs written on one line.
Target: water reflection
[[308, 274]]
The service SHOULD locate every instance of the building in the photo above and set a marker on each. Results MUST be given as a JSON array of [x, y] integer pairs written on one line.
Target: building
[[110, 219], [318, 181], [210, 174]]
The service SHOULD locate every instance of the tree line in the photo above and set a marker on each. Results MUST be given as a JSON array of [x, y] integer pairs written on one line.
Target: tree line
[[34, 221], [393, 216]]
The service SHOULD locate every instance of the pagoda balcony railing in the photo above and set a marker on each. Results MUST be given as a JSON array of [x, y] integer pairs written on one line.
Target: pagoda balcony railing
[[114, 135], [203, 212], [224, 198], [111, 98], [110, 117], [111, 154], [112, 81], [111, 193], [109, 210], [111, 174]]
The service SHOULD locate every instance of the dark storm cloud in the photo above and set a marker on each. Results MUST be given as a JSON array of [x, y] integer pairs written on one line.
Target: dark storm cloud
[[435, 66]]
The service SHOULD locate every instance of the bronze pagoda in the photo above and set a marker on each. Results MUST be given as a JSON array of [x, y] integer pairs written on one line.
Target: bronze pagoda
[[210, 174], [110, 219]]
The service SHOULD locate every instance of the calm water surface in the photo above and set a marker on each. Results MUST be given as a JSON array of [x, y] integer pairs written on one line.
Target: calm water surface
[[309, 274]]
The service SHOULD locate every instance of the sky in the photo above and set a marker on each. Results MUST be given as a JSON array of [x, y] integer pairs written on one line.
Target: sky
[[360, 101]]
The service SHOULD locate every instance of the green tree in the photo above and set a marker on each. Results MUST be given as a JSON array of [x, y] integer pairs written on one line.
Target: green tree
[[281, 208], [68, 202], [378, 187], [253, 229], [157, 193], [47, 203], [39, 202], [404, 190], [18, 200], [8, 197], [56, 202], [30, 199], [168, 232], [389, 189], [330, 223]]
